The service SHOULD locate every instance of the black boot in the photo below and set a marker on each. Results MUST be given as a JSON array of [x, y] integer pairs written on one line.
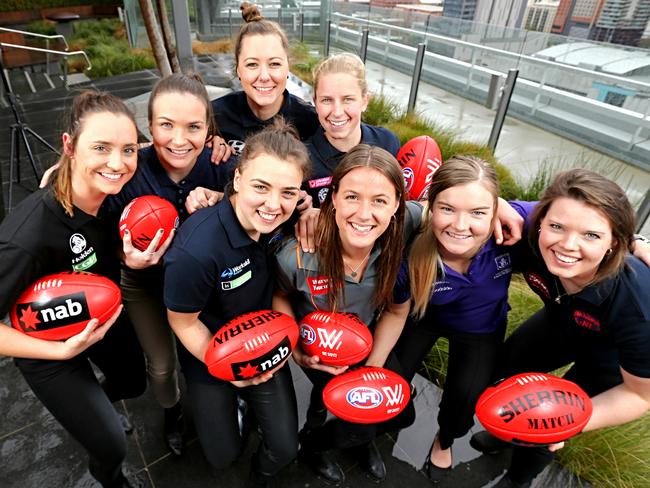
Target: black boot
[[372, 462], [321, 464], [174, 428], [258, 480], [131, 479], [127, 426]]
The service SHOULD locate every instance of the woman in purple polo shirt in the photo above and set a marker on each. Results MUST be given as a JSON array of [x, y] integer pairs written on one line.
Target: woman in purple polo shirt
[[456, 284]]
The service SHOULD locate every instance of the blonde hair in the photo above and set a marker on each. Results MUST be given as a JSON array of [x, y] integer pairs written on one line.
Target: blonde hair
[[348, 63], [87, 102], [424, 258]]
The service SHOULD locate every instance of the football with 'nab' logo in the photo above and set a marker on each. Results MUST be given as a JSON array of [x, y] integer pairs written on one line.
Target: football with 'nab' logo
[[251, 344], [58, 306], [144, 216], [338, 339], [534, 409], [367, 395], [419, 158]]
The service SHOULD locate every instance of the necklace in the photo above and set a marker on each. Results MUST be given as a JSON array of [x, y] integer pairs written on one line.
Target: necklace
[[353, 271], [558, 298]]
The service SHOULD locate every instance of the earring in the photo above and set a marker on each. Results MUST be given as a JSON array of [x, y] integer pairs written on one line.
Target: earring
[[608, 252], [539, 230]]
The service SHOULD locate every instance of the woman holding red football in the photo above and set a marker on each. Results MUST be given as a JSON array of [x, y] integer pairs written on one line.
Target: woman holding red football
[[596, 308], [360, 237], [49, 232], [217, 269]]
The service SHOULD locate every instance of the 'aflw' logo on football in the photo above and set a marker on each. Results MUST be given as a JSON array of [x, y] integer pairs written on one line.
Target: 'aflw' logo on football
[[394, 396], [330, 340]]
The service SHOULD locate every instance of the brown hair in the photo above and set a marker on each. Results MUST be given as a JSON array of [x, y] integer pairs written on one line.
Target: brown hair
[[424, 258], [257, 25], [87, 102], [191, 83], [280, 140], [342, 63], [330, 258], [604, 196]]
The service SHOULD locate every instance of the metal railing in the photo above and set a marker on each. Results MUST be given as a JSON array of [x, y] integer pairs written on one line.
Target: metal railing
[[42, 36], [65, 54]]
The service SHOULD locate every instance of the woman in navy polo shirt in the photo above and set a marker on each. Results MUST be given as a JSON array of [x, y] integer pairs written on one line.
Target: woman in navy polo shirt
[[341, 97], [455, 282], [360, 241], [596, 308], [202, 292], [180, 122], [36, 239], [262, 63]]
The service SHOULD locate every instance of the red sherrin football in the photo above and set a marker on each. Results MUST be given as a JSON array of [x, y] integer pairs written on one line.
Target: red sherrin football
[[367, 395], [251, 344], [338, 339], [144, 216], [59, 306], [419, 158], [534, 409]]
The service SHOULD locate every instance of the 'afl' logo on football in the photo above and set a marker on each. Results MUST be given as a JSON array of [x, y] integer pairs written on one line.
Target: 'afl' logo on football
[[408, 178], [307, 334], [364, 397], [77, 243]]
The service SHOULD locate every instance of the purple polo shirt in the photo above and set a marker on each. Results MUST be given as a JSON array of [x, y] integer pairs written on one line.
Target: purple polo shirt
[[476, 302]]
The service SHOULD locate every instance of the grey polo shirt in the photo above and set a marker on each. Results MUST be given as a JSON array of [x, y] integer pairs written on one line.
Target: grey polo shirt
[[297, 274]]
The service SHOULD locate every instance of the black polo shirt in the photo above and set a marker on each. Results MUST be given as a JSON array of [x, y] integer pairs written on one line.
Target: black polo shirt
[[215, 268], [236, 121], [37, 239], [151, 179], [607, 324], [325, 157]]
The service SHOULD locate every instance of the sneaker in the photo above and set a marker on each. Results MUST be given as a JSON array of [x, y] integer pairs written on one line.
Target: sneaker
[[487, 444]]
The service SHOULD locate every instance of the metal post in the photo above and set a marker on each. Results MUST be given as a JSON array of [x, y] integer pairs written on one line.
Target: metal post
[[230, 22], [328, 31], [643, 212], [65, 72], [502, 109], [302, 26], [363, 50], [417, 72], [47, 56], [280, 16]]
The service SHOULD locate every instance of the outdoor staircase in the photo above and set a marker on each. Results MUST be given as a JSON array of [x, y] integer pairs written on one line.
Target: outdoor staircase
[[35, 78]]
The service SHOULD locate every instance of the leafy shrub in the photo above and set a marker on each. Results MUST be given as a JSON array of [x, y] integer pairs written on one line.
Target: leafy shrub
[[45, 27]]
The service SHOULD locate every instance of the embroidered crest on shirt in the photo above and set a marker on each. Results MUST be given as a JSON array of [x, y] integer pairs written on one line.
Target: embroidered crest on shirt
[[586, 321], [318, 285], [535, 281], [502, 263]]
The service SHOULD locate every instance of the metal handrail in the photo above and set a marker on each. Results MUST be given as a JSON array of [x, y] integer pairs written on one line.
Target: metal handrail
[[508, 54], [54, 36], [65, 54]]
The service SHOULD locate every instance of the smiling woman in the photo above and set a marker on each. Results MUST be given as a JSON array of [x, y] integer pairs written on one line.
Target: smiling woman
[[64, 228], [216, 270]]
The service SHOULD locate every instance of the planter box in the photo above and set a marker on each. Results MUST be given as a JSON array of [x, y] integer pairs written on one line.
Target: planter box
[[26, 16]]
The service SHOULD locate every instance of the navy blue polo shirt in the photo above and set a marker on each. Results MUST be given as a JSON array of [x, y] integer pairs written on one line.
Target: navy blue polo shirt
[[608, 323], [151, 179], [325, 157], [475, 302], [38, 238], [215, 268], [236, 121]]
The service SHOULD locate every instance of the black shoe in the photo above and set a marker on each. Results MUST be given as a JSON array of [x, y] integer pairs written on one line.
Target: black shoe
[[242, 410], [507, 482], [131, 479], [487, 444], [174, 428], [258, 480], [127, 426], [435, 473], [323, 466], [372, 462], [316, 416]]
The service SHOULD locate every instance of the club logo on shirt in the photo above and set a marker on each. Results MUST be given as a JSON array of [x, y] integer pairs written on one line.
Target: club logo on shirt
[[586, 321], [535, 281], [320, 182], [322, 194], [503, 266], [237, 146], [442, 286], [231, 274], [77, 243], [318, 285]]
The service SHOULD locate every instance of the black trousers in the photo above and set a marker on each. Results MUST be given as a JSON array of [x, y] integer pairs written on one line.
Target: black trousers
[[73, 395], [472, 361], [541, 344], [214, 407], [339, 434]]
